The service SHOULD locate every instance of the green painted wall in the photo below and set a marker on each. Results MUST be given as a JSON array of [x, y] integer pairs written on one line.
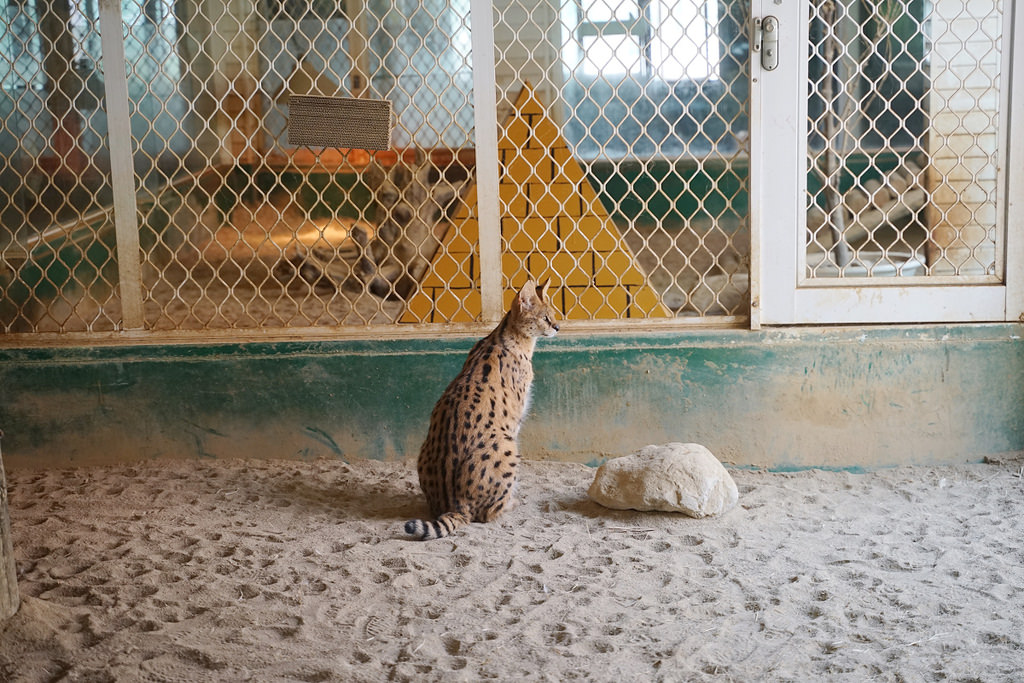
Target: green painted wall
[[795, 398]]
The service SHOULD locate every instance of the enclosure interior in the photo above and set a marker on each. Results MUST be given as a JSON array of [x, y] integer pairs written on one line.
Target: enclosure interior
[[628, 185]]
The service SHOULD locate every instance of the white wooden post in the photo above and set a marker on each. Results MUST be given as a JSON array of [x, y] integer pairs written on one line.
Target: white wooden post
[[481, 15], [122, 170]]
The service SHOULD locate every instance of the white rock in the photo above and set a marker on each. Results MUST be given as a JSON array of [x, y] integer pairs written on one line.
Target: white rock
[[676, 477]]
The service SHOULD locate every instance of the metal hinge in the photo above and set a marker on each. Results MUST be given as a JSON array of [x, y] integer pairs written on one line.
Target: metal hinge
[[765, 42]]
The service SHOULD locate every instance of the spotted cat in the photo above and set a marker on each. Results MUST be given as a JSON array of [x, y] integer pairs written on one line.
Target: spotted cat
[[467, 464]]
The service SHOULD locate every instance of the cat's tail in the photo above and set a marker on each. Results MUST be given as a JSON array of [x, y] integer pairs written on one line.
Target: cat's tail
[[446, 524]]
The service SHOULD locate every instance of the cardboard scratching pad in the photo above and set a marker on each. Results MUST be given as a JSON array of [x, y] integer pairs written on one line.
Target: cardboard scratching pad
[[318, 121], [552, 226]]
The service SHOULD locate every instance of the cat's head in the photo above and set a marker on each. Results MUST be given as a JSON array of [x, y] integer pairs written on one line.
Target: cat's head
[[532, 313]]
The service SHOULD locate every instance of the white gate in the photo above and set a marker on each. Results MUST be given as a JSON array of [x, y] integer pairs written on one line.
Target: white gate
[[887, 175]]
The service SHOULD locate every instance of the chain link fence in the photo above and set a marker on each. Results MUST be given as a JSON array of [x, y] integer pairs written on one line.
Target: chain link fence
[[651, 101], [622, 159], [904, 120]]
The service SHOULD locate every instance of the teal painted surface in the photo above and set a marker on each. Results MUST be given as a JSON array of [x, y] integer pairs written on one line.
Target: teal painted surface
[[780, 399], [671, 193], [81, 258]]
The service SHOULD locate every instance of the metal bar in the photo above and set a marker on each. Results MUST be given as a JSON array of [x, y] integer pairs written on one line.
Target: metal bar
[[835, 210], [485, 123], [357, 36], [755, 178], [59, 230], [62, 229], [777, 197], [122, 174], [1012, 125], [900, 281]]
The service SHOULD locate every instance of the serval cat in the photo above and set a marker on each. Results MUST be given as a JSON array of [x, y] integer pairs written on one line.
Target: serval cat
[[467, 464]]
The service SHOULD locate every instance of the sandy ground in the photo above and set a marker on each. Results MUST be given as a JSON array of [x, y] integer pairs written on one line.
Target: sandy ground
[[298, 571]]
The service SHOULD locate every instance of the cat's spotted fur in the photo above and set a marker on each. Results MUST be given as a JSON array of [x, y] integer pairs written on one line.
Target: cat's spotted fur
[[467, 464]]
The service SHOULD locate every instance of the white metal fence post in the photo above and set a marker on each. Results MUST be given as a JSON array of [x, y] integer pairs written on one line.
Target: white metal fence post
[[486, 135], [122, 173]]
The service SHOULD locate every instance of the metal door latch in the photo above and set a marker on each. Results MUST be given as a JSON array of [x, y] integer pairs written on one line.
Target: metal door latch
[[766, 42]]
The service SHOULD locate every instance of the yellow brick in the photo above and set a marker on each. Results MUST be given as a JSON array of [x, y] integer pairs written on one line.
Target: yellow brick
[[452, 270], [511, 235], [617, 268], [572, 239], [527, 102], [530, 271], [555, 199], [587, 233], [471, 307], [529, 108], [543, 231], [515, 267], [517, 130], [616, 303], [570, 172], [567, 299], [565, 268], [513, 202], [551, 202], [545, 132], [420, 307], [457, 241], [531, 234], [575, 301], [507, 297], [567, 172], [466, 207], [588, 198], [522, 171], [469, 229], [509, 190], [535, 156], [604, 239], [645, 303], [561, 154], [608, 240], [456, 306], [541, 267], [430, 279]]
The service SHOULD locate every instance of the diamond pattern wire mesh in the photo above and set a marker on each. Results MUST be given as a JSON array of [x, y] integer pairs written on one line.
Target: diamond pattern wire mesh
[[264, 234], [898, 87], [651, 99], [57, 265], [239, 230]]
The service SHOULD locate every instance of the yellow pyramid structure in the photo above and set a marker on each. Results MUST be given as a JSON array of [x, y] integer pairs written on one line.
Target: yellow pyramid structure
[[553, 226]]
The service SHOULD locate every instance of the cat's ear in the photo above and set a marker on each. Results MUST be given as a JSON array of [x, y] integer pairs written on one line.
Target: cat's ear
[[528, 294], [542, 289]]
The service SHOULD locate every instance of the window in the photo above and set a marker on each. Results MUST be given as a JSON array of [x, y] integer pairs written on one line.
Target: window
[[654, 78], [665, 39]]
